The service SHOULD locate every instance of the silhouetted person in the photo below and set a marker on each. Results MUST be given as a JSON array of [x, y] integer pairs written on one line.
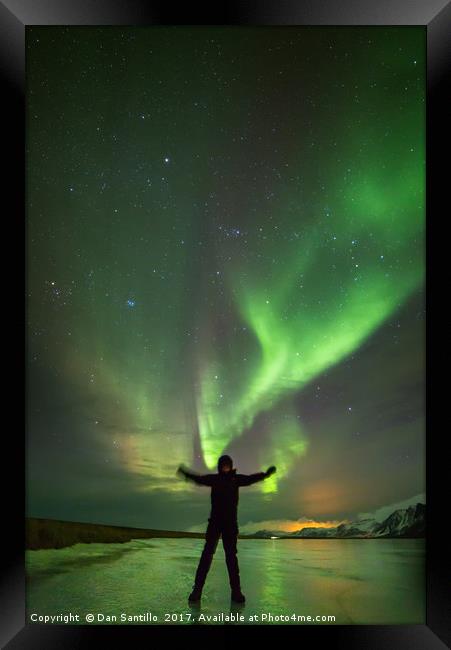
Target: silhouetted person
[[223, 521]]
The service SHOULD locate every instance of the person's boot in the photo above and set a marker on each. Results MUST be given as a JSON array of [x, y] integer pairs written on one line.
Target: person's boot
[[195, 595], [237, 596]]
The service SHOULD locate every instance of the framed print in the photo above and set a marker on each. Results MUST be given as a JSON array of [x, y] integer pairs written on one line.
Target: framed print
[[225, 225]]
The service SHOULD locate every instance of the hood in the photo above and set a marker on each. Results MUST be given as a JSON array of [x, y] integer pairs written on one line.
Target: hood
[[225, 460]]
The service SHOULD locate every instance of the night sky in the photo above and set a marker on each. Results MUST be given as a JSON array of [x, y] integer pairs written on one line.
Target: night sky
[[225, 254]]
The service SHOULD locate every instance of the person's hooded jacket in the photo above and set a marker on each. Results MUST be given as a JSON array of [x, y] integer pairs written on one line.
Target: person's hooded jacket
[[225, 489]]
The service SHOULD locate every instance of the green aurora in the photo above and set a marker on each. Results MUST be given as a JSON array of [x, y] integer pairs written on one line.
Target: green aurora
[[217, 217]]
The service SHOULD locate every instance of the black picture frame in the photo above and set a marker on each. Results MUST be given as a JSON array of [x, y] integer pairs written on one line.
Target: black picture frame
[[435, 16]]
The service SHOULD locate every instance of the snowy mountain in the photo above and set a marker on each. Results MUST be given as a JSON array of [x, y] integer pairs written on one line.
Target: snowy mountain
[[404, 523], [409, 522]]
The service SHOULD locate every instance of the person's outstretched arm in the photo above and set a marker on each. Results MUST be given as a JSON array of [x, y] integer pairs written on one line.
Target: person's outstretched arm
[[248, 479], [200, 479]]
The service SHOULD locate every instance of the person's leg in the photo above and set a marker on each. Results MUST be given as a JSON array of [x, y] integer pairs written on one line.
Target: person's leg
[[229, 542], [211, 541]]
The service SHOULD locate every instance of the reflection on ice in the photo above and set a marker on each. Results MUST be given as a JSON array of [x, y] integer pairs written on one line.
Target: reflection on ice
[[148, 582]]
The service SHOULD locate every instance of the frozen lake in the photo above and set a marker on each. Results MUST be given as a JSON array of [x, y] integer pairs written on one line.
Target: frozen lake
[[379, 581]]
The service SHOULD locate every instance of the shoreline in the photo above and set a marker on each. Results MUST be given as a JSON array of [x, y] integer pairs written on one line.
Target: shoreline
[[42, 533]]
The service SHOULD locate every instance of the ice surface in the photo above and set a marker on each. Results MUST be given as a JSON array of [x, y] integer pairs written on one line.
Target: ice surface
[[368, 581]]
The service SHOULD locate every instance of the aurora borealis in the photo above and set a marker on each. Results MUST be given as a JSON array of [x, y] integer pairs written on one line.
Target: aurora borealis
[[225, 254]]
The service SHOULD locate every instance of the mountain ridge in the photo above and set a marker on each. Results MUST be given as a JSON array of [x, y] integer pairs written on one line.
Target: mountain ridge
[[403, 522]]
